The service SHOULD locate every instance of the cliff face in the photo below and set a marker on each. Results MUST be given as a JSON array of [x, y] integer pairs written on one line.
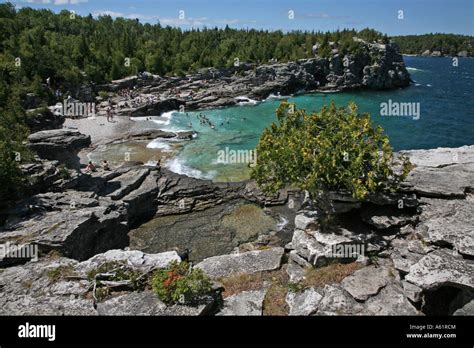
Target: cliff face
[[410, 251]]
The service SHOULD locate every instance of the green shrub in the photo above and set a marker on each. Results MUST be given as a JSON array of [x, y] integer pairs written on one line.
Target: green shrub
[[118, 271], [64, 172], [335, 149], [60, 272], [103, 94], [178, 284]]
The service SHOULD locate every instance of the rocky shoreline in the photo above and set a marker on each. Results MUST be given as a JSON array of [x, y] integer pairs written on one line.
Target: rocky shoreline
[[376, 66], [412, 250], [414, 256]]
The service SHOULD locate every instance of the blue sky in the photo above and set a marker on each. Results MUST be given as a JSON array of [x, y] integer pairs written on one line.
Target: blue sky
[[419, 16]]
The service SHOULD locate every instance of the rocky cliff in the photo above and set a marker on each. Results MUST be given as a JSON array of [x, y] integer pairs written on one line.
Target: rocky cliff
[[375, 66], [411, 251]]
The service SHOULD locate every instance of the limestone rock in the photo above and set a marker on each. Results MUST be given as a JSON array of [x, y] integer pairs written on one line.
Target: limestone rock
[[390, 301], [303, 303], [440, 268], [337, 301], [248, 262], [244, 303], [366, 282], [147, 303], [59, 144]]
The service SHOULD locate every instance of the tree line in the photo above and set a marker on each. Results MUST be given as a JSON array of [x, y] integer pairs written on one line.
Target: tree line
[[447, 44]]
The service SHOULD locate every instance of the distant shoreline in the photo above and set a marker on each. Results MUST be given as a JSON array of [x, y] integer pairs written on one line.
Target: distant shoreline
[[430, 56]]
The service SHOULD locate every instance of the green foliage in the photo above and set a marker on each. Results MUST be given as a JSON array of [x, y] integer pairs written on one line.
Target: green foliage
[[335, 149], [63, 172], [448, 44], [296, 287], [56, 46], [118, 271], [179, 284], [60, 272], [12, 150]]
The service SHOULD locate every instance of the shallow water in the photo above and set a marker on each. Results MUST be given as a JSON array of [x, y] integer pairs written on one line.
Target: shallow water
[[214, 231], [443, 91]]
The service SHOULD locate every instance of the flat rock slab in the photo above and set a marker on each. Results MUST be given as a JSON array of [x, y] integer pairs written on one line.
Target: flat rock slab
[[337, 301], [55, 305], [452, 181], [441, 156], [448, 222], [303, 303], [248, 262], [244, 303], [366, 282], [441, 268], [125, 183], [147, 303], [390, 301], [134, 258]]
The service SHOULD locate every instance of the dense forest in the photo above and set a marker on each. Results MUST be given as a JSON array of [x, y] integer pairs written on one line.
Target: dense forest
[[447, 44], [68, 47]]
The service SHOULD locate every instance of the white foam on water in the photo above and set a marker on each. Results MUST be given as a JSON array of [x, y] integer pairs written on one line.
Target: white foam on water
[[277, 96], [428, 85], [244, 100], [167, 122], [158, 144], [282, 223], [177, 166], [413, 69]]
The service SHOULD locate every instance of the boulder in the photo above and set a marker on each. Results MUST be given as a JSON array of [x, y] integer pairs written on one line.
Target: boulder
[[337, 301], [244, 303], [147, 303], [247, 262], [390, 301], [75, 231], [303, 303], [367, 282], [441, 268], [59, 144], [448, 223], [134, 258], [43, 119]]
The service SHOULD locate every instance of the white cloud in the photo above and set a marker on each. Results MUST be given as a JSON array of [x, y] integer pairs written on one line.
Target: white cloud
[[321, 16], [37, 1], [55, 2], [227, 21], [193, 22], [107, 13], [171, 21], [140, 16]]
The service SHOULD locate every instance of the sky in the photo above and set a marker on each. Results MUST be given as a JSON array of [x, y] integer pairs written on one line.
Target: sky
[[393, 17]]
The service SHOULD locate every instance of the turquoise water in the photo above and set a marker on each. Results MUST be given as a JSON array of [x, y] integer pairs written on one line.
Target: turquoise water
[[446, 118]]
